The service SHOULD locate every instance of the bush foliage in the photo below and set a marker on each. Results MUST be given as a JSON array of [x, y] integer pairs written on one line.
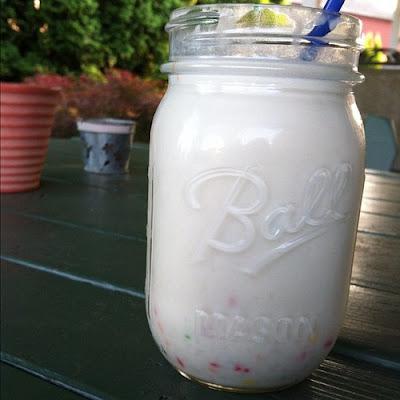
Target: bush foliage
[[90, 36], [73, 36], [122, 94]]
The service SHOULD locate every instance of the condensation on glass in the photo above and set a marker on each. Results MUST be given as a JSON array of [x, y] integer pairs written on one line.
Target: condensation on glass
[[255, 180]]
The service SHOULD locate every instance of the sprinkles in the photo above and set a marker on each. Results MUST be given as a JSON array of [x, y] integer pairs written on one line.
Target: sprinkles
[[302, 356], [213, 366], [180, 362], [240, 368], [232, 301], [313, 339]]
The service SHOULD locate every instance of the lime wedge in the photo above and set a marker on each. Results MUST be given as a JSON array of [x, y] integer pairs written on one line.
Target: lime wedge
[[264, 17]]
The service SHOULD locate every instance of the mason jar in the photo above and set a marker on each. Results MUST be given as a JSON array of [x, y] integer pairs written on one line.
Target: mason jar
[[255, 181]]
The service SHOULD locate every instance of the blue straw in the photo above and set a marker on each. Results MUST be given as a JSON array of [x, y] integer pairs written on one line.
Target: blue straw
[[331, 6]]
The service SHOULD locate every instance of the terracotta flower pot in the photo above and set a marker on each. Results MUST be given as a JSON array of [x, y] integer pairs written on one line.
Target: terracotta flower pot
[[26, 118]]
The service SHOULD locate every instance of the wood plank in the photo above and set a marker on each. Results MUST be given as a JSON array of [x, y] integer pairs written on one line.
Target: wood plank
[[381, 176], [19, 385], [83, 206], [69, 195], [380, 191], [73, 174], [78, 202], [106, 260], [97, 256], [376, 263], [372, 324], [92, 207], [379, 224], [66, 153], [50, 215], [99, 339], [379, 207], [85, 257], [64, 165], [95, 207], [70, 151]]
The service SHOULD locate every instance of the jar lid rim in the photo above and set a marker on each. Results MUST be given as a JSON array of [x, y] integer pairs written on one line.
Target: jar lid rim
[[198, 11], [266, 20], [264, 31]]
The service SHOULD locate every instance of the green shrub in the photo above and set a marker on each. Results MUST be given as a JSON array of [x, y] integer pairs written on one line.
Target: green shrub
[[61, 36], [89, 36], [74, 36], [133, 32]]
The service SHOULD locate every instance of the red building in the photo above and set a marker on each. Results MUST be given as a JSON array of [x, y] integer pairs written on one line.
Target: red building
[[377, 25], [378, 17]]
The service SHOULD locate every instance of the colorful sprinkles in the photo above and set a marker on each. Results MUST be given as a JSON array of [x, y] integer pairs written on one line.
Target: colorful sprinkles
[[232, 301], [180, 362], [313, 339], [214, 366], [328, 343], [249, 382], [240, 368], [302, 356]]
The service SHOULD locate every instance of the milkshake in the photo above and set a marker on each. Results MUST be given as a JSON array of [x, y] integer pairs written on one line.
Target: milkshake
[[255, 180]]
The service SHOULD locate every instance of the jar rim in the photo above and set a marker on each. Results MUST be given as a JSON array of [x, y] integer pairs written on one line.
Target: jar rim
[[264, 33], [263, 20], [182, 10]]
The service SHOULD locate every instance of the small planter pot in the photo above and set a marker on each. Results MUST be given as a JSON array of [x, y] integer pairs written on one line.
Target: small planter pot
[[107, 144], [26, 119]]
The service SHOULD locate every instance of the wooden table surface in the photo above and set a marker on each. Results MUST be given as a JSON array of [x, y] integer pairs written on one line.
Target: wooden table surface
[[72, 308]]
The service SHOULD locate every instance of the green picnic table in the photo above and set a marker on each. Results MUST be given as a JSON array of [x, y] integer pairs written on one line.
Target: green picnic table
[[72, 304]]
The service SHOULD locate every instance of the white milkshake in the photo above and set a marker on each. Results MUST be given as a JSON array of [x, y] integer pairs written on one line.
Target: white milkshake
[[256, 175]]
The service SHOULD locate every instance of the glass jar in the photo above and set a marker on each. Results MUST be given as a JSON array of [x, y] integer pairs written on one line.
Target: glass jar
[[256, 175]]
